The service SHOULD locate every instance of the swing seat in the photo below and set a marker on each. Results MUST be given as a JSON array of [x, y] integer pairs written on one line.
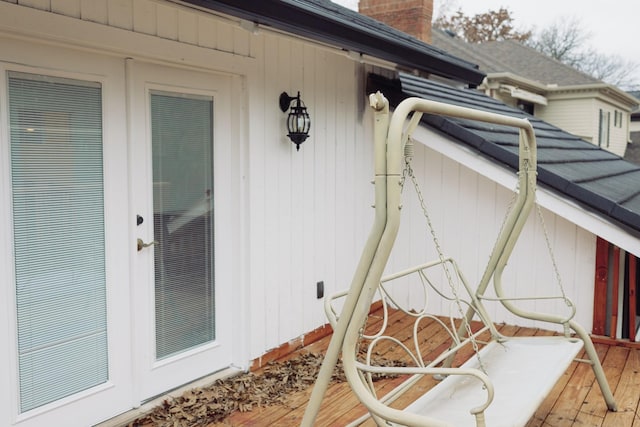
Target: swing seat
[[522, 371]]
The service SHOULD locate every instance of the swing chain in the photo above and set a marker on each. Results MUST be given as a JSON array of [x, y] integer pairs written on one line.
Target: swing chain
[[512, 202], [556, 270], [408, 171]]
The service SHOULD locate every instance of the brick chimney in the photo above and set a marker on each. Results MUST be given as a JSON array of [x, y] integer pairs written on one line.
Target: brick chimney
[[410, 16]]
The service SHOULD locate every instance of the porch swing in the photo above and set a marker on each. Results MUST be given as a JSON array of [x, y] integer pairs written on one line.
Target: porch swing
[[506, 378]]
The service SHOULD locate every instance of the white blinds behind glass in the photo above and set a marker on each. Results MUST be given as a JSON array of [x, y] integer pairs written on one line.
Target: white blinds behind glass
[[58, 215], [182, 146]]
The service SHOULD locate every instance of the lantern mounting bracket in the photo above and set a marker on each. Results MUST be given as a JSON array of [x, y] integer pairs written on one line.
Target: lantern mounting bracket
[[285, 101]]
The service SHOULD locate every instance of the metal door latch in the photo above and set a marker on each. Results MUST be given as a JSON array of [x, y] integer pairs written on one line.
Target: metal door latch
[[142, 244]]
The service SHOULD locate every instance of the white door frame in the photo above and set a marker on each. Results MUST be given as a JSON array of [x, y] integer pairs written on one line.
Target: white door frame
[[116, 395], [153, 377]]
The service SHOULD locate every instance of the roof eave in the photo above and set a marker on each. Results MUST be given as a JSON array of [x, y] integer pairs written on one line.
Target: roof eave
[[325, 28], [522, 82], [603, 89]]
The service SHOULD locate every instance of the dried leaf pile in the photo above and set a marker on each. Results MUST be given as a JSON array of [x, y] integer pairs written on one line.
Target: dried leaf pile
[[274, 385]]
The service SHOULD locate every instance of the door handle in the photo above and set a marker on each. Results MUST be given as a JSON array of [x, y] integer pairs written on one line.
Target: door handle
[[142, 245]]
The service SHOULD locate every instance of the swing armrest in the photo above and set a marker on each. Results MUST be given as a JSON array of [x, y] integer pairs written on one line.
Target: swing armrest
[[332, 313], [329, 310], [446, 372]]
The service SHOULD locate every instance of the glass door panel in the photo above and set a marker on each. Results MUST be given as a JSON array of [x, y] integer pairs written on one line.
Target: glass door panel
[[59, 236], [182, 153]]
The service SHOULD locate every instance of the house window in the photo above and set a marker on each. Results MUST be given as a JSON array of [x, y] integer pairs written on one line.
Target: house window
[[527, 107], [55, 129], [603, 128], [616, 309], [617, 120]]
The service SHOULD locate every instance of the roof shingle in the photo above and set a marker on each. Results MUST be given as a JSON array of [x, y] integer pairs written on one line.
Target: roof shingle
[[509, 56]]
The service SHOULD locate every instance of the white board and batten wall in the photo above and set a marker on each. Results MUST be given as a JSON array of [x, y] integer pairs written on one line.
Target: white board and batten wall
[[296, 218]]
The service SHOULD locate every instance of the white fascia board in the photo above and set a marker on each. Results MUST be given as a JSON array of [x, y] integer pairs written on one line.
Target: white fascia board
[[565, 208], [525, 95], [528, 96]]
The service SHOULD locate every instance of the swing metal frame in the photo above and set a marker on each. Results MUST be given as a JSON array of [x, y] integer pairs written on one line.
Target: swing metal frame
[[509, 376]]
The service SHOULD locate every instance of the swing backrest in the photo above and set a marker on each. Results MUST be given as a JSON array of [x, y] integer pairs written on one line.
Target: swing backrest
[[429, 287]]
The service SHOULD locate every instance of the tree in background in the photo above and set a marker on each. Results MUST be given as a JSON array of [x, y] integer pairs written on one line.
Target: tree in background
[[483, 27], [565, 40]]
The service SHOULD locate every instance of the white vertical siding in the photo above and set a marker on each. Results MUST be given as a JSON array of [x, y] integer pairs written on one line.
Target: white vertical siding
[[66, 7], [467, 211], [37, 4], [93, 11], [187, 27], [144, 17], [120, 14], [163, 20], [305, 223]]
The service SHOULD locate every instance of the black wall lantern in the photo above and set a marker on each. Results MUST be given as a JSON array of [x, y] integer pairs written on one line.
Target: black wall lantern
[[298, 121]]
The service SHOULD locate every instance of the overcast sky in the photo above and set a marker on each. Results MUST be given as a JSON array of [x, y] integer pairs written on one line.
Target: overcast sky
[[614, 25]]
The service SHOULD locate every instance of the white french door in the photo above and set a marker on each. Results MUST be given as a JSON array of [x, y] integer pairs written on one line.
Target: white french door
[[180, 123], [96, 153], [64, 306]]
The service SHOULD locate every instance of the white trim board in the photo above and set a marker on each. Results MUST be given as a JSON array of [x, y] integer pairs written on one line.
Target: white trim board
[[65, 31]]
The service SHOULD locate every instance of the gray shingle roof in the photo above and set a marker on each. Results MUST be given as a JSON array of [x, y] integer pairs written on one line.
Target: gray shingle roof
[[597, 179], [336, 25], [513, 57]]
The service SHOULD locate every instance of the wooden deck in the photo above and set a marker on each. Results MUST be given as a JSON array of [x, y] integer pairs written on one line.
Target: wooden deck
[[575, 401]]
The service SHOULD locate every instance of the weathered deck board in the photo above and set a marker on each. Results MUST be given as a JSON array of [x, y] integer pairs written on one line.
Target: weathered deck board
[[592, 411], [576, 399], [627, 394]]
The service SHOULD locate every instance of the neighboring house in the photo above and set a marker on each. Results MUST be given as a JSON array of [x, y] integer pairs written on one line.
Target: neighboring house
[[158, 225], [557, 93], [633, 149]]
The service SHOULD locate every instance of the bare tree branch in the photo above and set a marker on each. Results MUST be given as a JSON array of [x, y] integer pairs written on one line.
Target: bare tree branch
[[483, 27], [565, 40]]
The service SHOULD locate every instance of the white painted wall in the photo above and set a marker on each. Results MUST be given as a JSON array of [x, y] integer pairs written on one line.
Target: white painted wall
[[467, 211], [570, 114], [302, 216]]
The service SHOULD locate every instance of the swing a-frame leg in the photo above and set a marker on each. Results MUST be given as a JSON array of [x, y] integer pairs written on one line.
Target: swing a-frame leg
[[508, 377]]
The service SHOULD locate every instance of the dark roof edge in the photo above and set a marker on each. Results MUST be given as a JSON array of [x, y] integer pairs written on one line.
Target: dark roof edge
[[319, 23]]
